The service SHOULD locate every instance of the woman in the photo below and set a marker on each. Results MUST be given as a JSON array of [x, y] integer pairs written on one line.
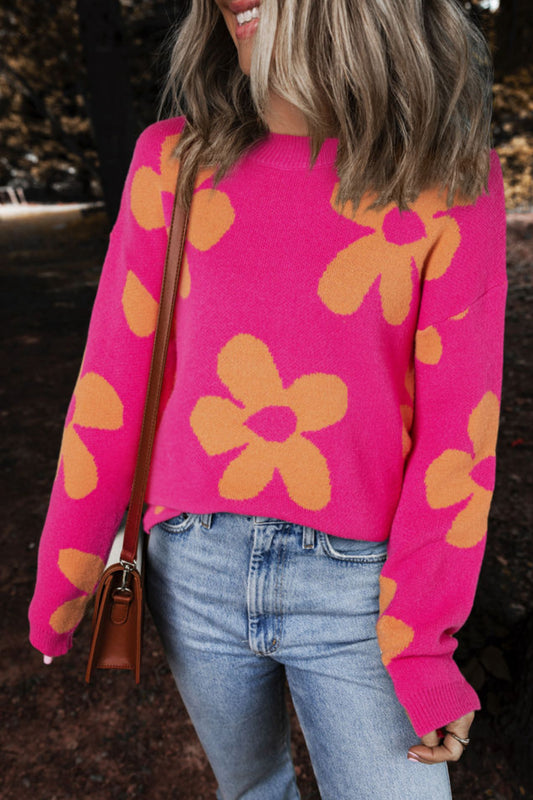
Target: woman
[[324, 458]]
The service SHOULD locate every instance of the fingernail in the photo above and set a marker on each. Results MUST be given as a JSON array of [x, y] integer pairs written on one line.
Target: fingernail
[[413, 757]]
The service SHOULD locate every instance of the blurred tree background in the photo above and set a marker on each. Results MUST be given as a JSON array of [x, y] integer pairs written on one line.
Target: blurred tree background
[[64, 67], [53, 135]]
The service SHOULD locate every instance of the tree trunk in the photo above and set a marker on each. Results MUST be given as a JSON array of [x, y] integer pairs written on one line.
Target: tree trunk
[[110, 103], [514, 26]]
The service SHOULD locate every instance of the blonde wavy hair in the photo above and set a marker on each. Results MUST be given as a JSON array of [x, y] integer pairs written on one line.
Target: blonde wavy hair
[[405, 85]]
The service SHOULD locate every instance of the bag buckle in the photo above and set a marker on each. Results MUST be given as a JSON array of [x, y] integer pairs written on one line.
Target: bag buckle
[[128, 566]]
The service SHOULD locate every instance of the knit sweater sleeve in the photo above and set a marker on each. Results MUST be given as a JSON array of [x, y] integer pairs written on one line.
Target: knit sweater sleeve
[[102, 427], [438, 535]]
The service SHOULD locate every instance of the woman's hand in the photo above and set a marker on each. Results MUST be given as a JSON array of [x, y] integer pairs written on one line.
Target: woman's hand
[[449, 749], [48, 659]]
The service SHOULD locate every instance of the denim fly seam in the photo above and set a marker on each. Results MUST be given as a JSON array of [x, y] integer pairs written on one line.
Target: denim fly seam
[[265, 584]]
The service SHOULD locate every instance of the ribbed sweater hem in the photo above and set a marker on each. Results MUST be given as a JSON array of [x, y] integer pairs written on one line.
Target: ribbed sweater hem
[[50, 644], [435, 706]]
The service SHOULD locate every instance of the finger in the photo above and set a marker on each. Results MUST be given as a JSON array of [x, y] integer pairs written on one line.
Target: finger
[[449, 750], [48, 659], [462, 725], [430, 739]]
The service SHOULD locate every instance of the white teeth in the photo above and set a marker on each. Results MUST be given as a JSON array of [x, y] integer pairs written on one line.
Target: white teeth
[[246, 16]]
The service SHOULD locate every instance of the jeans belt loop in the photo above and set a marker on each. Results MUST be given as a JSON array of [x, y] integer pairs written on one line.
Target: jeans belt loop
[[308, 538], [206, 520]]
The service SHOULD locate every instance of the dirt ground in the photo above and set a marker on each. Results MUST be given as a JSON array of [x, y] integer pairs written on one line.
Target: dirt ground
[[63, 739]]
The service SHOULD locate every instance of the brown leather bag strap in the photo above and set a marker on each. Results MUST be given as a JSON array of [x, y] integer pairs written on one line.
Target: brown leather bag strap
[[174, 255]]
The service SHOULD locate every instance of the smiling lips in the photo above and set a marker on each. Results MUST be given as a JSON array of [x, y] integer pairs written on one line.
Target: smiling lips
[[247, 15]]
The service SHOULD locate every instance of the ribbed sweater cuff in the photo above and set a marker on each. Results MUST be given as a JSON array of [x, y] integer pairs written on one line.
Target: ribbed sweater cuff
[[434, 707], [50, 643]]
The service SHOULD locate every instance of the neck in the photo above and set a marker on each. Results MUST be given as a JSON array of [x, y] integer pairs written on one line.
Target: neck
[[284, 117]]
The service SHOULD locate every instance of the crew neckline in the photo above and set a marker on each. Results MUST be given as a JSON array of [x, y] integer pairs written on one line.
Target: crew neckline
[[290, 152]]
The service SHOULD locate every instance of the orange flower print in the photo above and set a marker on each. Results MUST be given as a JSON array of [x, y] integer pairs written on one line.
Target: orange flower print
[[268, 422], [184, 288], [428, 345], [97, 406], [83, 570], [407, 411], [394, 636], [395, 242], [148, 187], [140, 308], [456, 475], [428, 342], [211, 216], [461, 314]]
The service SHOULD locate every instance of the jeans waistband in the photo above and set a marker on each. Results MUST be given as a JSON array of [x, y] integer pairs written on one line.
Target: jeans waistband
[[308, 534]]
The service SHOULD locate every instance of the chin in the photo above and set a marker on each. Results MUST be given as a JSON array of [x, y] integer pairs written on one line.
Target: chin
[[244, 64]]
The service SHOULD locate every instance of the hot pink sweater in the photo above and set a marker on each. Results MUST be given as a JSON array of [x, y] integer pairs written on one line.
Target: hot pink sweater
[[336, 370]]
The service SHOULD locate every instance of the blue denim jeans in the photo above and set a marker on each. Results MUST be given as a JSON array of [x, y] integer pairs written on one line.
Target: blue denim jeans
[[240, 602]]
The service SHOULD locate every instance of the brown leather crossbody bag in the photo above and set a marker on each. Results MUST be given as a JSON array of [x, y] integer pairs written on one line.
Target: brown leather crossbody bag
[[117, 623]]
